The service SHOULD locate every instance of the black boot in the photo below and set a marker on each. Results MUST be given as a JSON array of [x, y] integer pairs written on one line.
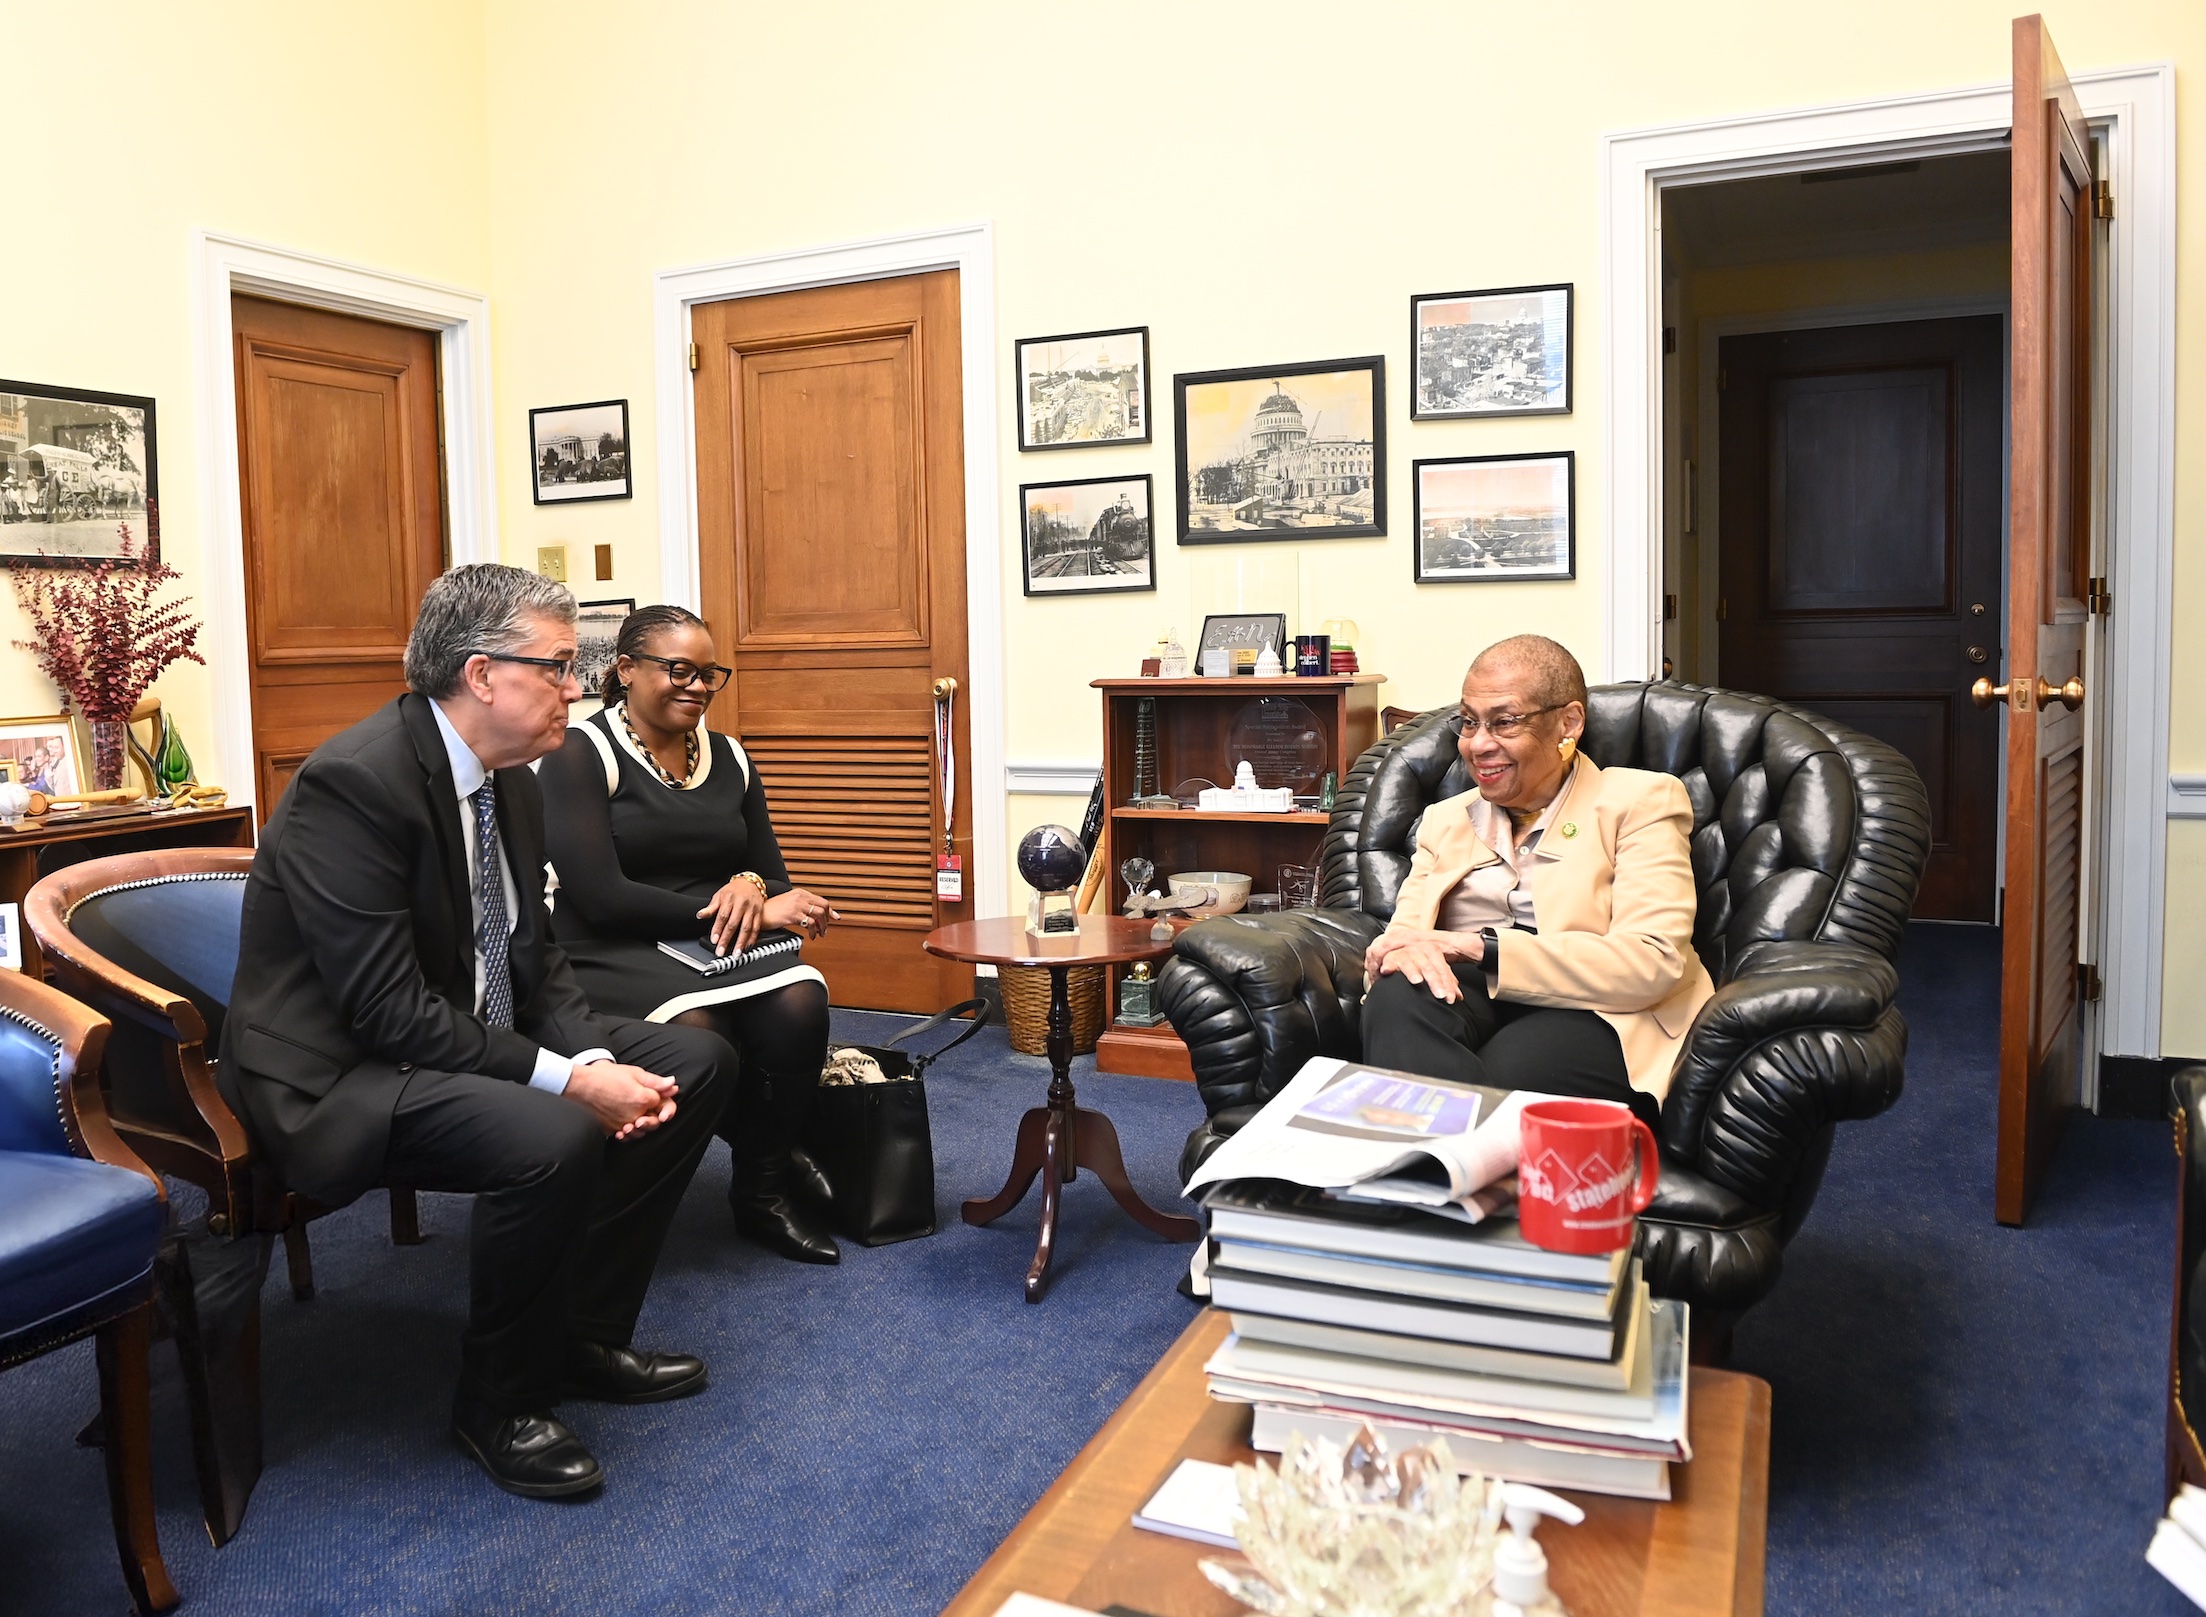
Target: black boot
[[809, 1181], [764, 1124]]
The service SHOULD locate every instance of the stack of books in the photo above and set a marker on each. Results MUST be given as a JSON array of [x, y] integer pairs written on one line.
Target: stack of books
[[1535, 1366]]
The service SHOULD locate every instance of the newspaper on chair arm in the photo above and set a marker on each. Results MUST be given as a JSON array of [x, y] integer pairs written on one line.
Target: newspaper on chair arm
[[1369, 1133]]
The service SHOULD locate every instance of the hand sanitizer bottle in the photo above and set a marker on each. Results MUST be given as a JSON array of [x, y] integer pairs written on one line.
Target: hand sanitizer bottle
[[1520, 1587]]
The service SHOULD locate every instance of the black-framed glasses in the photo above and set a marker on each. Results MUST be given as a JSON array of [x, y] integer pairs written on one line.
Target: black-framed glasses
[[679, 673], [562, 666], [1502, 726]]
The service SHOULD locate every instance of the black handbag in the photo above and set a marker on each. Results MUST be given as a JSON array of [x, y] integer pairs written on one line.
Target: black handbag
[[872, 1140]]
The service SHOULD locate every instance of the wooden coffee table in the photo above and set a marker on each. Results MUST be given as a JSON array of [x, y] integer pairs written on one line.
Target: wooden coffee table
[[1060, 1137], [1700, 1555]]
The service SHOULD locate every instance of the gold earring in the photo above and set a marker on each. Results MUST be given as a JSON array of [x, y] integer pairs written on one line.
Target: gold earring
[[1569, 744]]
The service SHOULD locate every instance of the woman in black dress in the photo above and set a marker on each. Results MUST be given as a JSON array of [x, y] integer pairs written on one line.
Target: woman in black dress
[[657, 829]]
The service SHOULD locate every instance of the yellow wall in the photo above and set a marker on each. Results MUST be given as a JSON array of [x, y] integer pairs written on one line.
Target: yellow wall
[[1255, 182], [132, 124]]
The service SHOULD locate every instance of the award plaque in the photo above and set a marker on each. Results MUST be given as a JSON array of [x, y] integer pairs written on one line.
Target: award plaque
[[1283, 742]]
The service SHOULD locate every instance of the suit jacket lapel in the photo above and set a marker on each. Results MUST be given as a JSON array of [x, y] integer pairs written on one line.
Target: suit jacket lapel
[[1574, 810], [444, 814]]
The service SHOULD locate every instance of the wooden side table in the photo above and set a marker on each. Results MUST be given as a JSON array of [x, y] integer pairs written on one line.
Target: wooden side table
[[1059, 1138], [99, 834]]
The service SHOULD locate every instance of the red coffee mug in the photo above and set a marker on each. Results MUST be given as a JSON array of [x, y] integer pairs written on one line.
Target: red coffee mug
[[1587, 1170]]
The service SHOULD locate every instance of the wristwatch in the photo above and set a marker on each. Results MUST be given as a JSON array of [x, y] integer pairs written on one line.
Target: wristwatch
[[1491, 959]]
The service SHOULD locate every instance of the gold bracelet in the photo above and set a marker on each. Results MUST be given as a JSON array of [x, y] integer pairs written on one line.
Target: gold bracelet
[[756, 880]]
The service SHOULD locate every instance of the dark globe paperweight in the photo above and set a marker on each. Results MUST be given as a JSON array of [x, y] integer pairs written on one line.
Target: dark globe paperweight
[[1052, 861]]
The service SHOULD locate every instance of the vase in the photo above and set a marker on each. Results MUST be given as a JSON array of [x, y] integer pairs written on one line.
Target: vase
[[110, 747], [172, 766]]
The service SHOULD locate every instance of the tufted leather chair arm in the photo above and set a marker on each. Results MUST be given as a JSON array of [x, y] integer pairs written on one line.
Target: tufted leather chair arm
[[1698, 1240], [1256, 996]]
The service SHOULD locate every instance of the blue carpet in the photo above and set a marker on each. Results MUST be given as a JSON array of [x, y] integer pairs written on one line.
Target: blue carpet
[[1967, 1418]]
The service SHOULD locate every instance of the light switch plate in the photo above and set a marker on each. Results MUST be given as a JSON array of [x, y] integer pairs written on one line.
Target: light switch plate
[[551, 562]]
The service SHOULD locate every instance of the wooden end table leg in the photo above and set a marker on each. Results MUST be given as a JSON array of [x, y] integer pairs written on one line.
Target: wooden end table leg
[[1026, 1162], [1055, 1149], [1095, 1141], [1061, 1100]]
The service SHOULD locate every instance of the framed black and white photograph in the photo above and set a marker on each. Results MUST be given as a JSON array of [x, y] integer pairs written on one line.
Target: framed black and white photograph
[[1282, 452], [1496, 353], [76, 472], [580, 452], [596, 627], [1088, 536], [1486, 518], [1243, 631], [1083, 389]]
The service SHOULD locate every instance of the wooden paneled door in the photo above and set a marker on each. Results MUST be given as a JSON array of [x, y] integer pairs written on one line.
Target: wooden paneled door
[[831, 523], [2050, 504], [1861, 494], [342, 485]]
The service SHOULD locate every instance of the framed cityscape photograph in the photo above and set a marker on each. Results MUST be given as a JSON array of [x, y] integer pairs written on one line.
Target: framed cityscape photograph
[[1088, 536], [1496, 353], [1282, 452], [596, 628], [580, 452], [1483, 519], [1083, 389], [76, 469]]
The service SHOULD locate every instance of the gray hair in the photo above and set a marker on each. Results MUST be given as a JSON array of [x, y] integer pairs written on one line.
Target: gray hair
[[484, 606]]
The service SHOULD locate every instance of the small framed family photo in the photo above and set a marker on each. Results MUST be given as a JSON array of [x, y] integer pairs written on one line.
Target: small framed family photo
[[580, 452], [1084, 389], [1282, 452], [1088, 536], [76, 469], [596, 628], [1498, 353], [1482, 519], [44, 754]]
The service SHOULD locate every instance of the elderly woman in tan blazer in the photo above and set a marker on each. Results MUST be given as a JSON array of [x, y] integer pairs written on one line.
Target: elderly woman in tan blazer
[[1544, 937]]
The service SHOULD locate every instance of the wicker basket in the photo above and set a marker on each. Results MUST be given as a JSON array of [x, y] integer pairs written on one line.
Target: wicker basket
[[1026, 1006]]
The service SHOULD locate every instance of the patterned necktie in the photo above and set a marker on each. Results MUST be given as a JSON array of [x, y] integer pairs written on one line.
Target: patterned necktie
[[494, 941]]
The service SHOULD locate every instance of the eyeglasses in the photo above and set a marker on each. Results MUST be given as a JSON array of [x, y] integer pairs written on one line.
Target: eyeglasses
[[1502, 726], [562, 666], [711, 675]]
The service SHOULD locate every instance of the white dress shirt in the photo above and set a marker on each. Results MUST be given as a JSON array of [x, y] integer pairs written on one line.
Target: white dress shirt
[[552, 1070]]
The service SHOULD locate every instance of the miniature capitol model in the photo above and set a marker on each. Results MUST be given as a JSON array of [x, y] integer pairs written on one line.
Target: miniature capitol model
[[1244, 796]]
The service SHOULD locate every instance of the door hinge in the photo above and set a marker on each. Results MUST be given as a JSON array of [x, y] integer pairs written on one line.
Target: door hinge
[[1723, 609], [1723, 377], [2088, 986], [1669, 608], [2102, 199], [2098, 600], [694, 356]]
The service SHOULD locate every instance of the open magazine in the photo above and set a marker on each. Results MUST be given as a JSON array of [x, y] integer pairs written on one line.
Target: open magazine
[[1370, 1134]]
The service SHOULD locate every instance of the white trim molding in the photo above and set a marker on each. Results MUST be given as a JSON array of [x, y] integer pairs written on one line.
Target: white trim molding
[[2187, 797], [2135, 108], [970, 250], [1050, 780], [222, 265]]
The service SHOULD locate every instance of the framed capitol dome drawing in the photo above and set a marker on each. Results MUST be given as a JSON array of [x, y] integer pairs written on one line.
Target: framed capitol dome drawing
[[1282, 452]]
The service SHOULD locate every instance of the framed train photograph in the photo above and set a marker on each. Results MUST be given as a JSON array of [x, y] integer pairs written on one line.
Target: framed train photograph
[[1090, 536]]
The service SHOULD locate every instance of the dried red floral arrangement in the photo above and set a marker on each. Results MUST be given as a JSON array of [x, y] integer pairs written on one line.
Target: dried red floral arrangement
[[103, 639]]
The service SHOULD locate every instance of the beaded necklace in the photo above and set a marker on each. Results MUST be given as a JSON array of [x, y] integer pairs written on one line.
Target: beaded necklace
[[689, 753]]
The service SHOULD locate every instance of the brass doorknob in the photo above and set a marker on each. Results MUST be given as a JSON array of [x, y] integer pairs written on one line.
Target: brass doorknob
[[1984, 693], [2069, 695]]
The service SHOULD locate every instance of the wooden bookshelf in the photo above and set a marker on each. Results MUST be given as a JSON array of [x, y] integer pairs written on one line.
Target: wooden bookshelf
[[1194, 718]]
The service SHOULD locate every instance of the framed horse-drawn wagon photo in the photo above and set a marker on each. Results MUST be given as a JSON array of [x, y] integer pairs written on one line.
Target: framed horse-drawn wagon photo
[[76, 477]]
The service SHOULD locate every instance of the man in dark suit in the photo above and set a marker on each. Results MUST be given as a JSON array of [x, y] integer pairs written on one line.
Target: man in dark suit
[[401, 1013]]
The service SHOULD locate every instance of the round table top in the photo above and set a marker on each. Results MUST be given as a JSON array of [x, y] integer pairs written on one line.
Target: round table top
[[1101, 941]]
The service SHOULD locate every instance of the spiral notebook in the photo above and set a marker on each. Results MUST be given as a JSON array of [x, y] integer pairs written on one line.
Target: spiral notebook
[[770, 952]]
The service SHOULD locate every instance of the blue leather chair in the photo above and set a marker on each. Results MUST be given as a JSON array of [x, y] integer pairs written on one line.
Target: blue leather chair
[[81, 1218]]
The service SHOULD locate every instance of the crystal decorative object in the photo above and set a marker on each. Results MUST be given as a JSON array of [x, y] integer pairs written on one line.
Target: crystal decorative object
[[172, 765], [1353, 1532], [1136, 873]]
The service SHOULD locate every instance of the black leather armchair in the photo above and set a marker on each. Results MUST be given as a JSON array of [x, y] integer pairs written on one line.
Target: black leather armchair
[[1808, 841]]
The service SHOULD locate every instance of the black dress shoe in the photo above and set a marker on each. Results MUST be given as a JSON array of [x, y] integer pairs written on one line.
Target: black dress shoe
[[808, 1181], [532, 1455], [775, 1222], [618, 1375]]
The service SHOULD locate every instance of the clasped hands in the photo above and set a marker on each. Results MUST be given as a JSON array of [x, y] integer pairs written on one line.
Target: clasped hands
[[1425, 957], [626, 1101], [739, 911]]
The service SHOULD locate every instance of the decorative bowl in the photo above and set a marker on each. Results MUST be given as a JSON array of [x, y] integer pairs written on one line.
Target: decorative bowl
[[1223, 892]]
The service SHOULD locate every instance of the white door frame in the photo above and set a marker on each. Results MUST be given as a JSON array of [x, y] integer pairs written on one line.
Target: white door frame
[[971, 251], [222, 265], [2136, 108]]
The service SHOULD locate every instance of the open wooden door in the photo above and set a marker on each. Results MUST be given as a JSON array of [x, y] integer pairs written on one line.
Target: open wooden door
[[2050, 504], [831, 522]]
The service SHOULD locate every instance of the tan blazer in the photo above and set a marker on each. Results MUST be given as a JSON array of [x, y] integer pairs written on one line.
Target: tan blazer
[[1615, 902]]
